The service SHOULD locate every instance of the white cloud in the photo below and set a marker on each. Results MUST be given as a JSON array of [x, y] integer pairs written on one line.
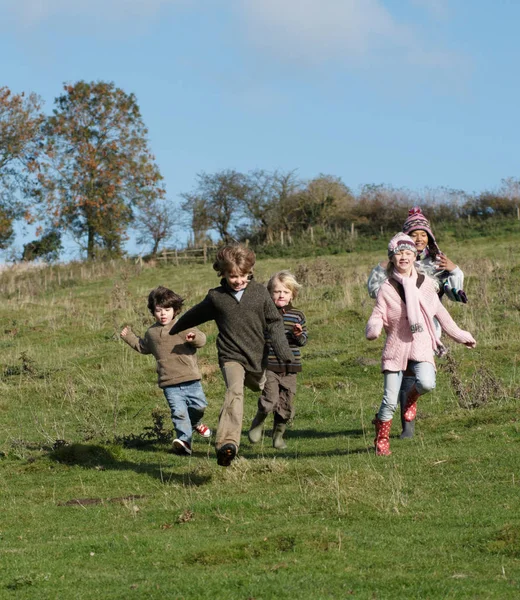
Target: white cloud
[[33, 12], [346, 33], [355, 32]]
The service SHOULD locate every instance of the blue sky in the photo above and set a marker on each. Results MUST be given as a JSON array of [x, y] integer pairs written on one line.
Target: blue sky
[[409, 93]]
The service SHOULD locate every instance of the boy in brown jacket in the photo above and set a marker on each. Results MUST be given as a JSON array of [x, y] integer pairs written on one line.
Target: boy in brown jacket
[[178, 373]]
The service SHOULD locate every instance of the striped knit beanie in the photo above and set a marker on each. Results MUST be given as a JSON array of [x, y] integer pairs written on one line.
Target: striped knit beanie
[[399, 243], [416, 220]]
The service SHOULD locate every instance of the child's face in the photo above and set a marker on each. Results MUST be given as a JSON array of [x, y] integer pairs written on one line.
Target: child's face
[[281, 295], [420, 238], [164, 315], [403, 261], [236, 280]]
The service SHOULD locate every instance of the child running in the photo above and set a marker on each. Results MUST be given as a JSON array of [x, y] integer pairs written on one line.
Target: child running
[[243, 310], [178, 373], [448, 278], [280, 387], [406, 304]]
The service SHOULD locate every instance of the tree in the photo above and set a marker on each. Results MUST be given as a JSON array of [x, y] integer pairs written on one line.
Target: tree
[[97, 165], [198, 218], [216, 202], [325, 199], [20, 137], [155, 223], [380, 207], [47, 247], [265, 201]]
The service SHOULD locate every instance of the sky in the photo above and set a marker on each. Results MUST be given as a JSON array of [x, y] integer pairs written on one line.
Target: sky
[[408, 93]]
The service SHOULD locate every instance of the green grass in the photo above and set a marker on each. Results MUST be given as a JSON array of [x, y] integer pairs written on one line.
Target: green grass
[[95, 506]]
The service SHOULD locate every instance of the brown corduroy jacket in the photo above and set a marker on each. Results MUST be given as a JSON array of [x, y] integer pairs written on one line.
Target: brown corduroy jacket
[[176, 358]]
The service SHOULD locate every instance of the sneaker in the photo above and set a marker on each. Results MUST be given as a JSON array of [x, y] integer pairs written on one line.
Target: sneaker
[[203, 430], [226, 454], [181, 447]]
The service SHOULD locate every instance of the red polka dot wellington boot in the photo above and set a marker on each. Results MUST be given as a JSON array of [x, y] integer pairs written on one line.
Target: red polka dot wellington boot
[[382, 439]]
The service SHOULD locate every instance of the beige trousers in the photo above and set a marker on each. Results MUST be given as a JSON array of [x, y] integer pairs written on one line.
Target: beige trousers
[[232, 411]]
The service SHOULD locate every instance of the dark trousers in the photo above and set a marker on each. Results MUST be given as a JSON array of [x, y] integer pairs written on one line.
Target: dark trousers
[[278, 396]]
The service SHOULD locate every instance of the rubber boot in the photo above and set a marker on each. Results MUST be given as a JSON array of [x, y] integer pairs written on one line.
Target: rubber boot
[[382, 439], [408, 426], [278, 432], [257, 427], [410, 407]]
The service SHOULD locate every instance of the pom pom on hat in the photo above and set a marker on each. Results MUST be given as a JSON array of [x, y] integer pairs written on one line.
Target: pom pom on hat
[[401, 242], [416, 220]]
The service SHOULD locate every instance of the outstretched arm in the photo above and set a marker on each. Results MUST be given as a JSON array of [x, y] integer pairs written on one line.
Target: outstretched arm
[[451, 328], [200, 313], [138, 344]]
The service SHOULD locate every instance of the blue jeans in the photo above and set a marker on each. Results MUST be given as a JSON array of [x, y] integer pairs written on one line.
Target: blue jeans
[[424, 382], [187, 403]]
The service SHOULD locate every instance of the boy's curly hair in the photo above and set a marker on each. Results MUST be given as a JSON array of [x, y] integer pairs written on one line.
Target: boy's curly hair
[[234, 258], [287, 279], [165, 298]]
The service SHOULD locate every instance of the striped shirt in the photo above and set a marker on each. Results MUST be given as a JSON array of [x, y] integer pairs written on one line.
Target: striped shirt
[[291, 316]]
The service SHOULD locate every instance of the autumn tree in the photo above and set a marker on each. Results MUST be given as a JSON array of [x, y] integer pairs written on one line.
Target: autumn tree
[[97, 165], [216, 202], [20, 137]]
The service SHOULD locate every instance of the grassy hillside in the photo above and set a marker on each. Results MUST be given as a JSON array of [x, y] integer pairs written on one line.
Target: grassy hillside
[[94, 504]]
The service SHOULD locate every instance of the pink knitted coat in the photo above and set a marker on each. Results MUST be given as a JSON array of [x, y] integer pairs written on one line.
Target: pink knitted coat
[[401, 345]]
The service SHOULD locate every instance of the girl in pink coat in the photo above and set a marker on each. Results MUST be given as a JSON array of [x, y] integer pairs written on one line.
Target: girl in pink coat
[[406, 304]]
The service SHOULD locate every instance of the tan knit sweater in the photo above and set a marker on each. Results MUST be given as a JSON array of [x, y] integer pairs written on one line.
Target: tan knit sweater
[[176, 358]]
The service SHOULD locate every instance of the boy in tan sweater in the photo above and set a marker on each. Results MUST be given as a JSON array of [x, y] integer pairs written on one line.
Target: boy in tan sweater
[[177, 369]]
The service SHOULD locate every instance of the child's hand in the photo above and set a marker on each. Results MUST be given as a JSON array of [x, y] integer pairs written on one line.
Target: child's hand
[[444, 263], [470, 344], [125, 331], [190, 337], [297, 330]]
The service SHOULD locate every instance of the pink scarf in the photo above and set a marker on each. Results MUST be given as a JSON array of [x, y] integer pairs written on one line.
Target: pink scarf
[[417, 311]]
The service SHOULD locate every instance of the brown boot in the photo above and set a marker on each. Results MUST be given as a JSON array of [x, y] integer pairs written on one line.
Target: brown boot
[[410, 408], [382, 439]]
